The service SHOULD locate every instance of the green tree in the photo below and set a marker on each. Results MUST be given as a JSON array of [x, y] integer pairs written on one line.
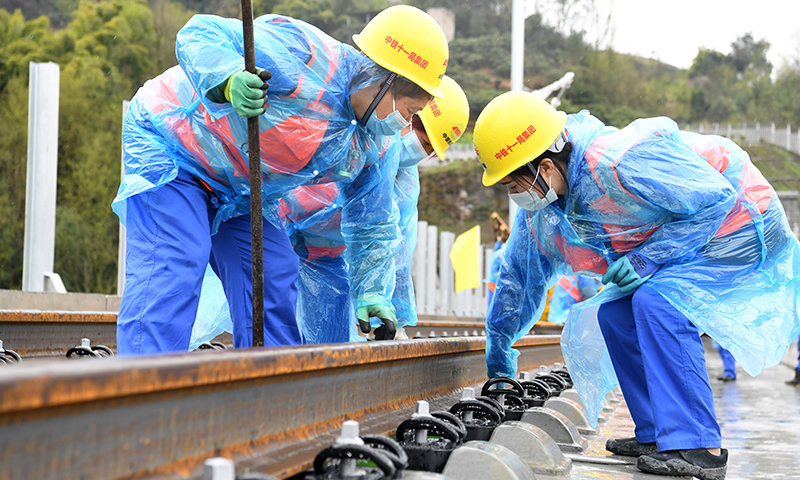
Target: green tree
[[104, 54]]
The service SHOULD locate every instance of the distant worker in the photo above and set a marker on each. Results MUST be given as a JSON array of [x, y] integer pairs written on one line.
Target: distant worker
[[688, 231], [568, 291], [185, 195], [795, 382], [313, 215], [728, 364], [501, 233]]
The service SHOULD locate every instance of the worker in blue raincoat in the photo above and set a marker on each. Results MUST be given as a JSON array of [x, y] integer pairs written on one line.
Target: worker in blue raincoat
[[688, 236], [728, 364], [185, 194], [313, 215], [795, 382]]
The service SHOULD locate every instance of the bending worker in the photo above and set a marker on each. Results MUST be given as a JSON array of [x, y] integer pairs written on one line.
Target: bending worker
[[688, 236], [323, 115], [313, 215]]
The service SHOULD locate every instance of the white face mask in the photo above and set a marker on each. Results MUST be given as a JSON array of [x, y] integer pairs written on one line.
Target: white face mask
[[529, 199]]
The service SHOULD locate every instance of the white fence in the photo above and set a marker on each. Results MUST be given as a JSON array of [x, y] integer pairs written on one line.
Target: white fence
[[783, 137], [753, 133], [434, 278]]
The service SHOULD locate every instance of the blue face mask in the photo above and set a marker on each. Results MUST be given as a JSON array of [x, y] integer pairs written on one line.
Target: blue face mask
[[390, 125], [529, 199], [413, 152]]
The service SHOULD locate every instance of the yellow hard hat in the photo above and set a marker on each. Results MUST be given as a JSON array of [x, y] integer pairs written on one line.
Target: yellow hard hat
[[445, 119], [514, 129], [409, 42]]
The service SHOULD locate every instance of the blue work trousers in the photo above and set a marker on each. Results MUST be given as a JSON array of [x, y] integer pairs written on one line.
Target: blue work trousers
[[169, 244], [659, 359]]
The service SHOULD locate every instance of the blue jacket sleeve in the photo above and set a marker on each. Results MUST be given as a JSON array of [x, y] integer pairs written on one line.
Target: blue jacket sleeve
[[519, 297], [369, 228], [694, 197]]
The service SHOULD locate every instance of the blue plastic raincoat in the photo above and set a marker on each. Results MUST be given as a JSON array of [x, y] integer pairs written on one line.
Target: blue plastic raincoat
[[679, 199], [309, 133]]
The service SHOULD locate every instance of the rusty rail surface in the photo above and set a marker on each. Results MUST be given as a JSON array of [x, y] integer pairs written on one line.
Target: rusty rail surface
[[270, 409], [35, 333]]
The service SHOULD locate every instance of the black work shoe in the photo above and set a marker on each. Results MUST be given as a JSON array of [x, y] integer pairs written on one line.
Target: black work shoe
[[726, 378], [630, 447], [697, 462], [796, 381]]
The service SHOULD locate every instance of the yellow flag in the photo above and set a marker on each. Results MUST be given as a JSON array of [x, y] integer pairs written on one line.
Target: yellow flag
[[465, 257]]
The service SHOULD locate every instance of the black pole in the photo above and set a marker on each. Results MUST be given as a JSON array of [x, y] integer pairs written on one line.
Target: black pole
[[256, 216]]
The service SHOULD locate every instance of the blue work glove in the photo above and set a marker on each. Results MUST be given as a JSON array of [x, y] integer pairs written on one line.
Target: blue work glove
[[385, 314], [247, 92], [630, 272]]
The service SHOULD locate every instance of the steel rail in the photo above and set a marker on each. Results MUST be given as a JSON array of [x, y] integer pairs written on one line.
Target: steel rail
[[36, 333], [270, 409]]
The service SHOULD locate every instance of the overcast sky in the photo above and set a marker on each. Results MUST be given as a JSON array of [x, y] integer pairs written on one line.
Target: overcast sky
[[673, 30]]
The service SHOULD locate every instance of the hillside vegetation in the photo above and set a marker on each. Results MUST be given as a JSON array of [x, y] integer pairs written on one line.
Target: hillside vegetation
[[107, 49]]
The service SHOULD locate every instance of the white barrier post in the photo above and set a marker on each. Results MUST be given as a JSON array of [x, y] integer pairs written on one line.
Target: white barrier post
[[517, 43], [40, 194], [122, 240], [419, 272], [447, 284], [430, 272]]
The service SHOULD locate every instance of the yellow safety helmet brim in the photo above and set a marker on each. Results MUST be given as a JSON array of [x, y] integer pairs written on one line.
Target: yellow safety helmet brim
[[514, 129], [407, 41], [445, 119]]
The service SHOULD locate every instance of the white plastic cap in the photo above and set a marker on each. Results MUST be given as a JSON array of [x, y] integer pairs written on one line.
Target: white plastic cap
[[85, 342], [350, 434], [423, 409], [543, 369], [558, 366], [219, 468], [524, 376], [468, 393]]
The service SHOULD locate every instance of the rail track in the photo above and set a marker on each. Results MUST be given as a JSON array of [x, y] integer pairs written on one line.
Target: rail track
[[35, 333], [270, 409]]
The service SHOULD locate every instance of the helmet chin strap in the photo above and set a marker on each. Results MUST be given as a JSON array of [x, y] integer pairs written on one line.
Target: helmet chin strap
[[375, 101]]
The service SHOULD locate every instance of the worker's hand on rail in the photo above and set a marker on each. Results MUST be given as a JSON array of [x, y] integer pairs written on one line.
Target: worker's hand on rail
[[385, 314], [630, 272], [247, 92]]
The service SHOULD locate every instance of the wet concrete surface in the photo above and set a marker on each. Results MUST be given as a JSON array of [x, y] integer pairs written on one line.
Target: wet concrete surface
[[760, 422]]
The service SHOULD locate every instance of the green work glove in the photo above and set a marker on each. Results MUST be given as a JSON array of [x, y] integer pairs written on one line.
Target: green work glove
[[387, 316], [630, 272], [248, 92]]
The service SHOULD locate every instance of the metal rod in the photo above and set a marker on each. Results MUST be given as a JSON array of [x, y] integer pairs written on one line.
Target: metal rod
[[256, 216]]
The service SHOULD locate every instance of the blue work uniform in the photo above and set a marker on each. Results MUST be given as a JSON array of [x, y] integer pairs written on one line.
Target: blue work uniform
[[185, 195], [730, 267]]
